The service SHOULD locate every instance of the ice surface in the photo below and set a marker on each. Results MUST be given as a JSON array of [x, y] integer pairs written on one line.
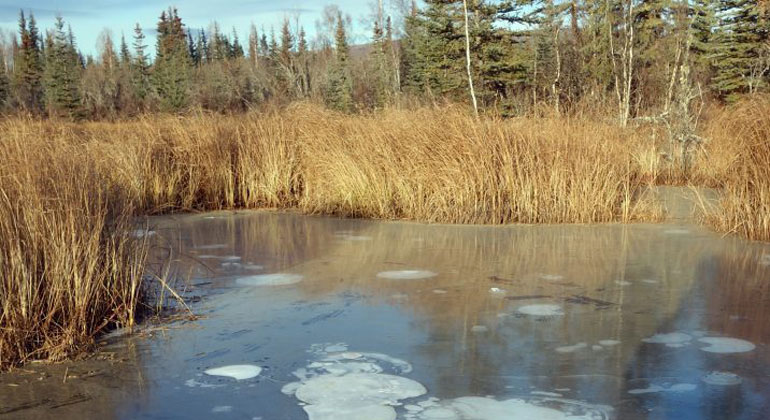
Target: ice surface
[[276, 279], [541, 310], [222, 409], [726, 345], [237, 372], [722, 378], [406, 274], [623, 283], [608, 343], [552, 277], [479, 329]]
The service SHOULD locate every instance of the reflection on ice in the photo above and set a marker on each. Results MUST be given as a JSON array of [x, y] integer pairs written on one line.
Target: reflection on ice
[[652, 389]]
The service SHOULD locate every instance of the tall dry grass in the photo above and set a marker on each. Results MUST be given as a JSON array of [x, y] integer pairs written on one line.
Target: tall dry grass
[[68, 267], [739, 153], [69, 192]]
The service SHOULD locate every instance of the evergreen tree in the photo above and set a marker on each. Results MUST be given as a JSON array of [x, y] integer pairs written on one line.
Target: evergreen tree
[[739, 41], [62, 74], [378, 60], [28, 67], [236, 50], [140, 70], [5, 83], [193, 50], [125, 54], [171, 72], [339, 91]]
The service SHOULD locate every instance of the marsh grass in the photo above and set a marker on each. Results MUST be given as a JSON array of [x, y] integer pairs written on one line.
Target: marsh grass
[[70, 194], [739, 156]]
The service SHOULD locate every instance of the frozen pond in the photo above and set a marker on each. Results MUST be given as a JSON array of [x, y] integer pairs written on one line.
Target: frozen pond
[[310, 317]]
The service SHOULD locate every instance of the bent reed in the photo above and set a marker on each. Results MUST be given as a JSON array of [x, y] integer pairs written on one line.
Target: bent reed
[[70, 193]]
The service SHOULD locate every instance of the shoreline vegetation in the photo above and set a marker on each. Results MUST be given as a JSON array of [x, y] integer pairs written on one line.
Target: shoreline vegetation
[[70, 192], [579, 109]]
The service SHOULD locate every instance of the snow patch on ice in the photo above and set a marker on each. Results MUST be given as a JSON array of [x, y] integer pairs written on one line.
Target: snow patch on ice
[[652, 389], [726, 345], [722, 378], [406, 274], [571, 349], [237, 372], [276, 279], [541, 310], [674, 339]]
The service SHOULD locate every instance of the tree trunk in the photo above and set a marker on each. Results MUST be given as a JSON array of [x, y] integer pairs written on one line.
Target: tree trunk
[[468, 59]]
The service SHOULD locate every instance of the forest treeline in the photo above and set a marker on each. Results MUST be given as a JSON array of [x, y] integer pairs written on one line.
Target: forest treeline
[[633, 57]]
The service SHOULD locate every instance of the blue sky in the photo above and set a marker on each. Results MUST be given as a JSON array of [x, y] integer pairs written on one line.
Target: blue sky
[[89, 17]]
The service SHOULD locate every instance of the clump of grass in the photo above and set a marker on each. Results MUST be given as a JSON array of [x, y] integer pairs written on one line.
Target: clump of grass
[[741, 137], [69, 269]]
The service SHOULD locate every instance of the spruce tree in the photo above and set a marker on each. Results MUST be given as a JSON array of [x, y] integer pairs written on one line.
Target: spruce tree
[[62, 74], [125, 54], [140, 68], [339, 90], [738, 49], [28, 67], [171, 72]]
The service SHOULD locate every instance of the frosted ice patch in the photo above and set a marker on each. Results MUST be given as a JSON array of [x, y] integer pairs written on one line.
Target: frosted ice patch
[[722, 378], [676, 232], [277, 279], [541, 310], [356, 396], [479, 329], [657, 388], [496, 290], [212, 246], [439, 291], [237, 372], [608, 343], [141, 233], [726, 345], [546, 393], [481, 408], [675, 339], [192, 383], [552, 277], [231, 258], [336, 347], [597, 347], [623, 283], [255, 267], [406, 274], [355, 238], [571, 349], [222, 409], [650, 281]]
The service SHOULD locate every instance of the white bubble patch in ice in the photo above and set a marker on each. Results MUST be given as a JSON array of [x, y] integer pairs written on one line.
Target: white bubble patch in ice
[[571, 349], [346, 385], [674, 339], [484, 408], [406, 274], [552, 277], [237, 372], [722, 378], [652, 389], [726, 345], [541, 310], [276, 279]]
